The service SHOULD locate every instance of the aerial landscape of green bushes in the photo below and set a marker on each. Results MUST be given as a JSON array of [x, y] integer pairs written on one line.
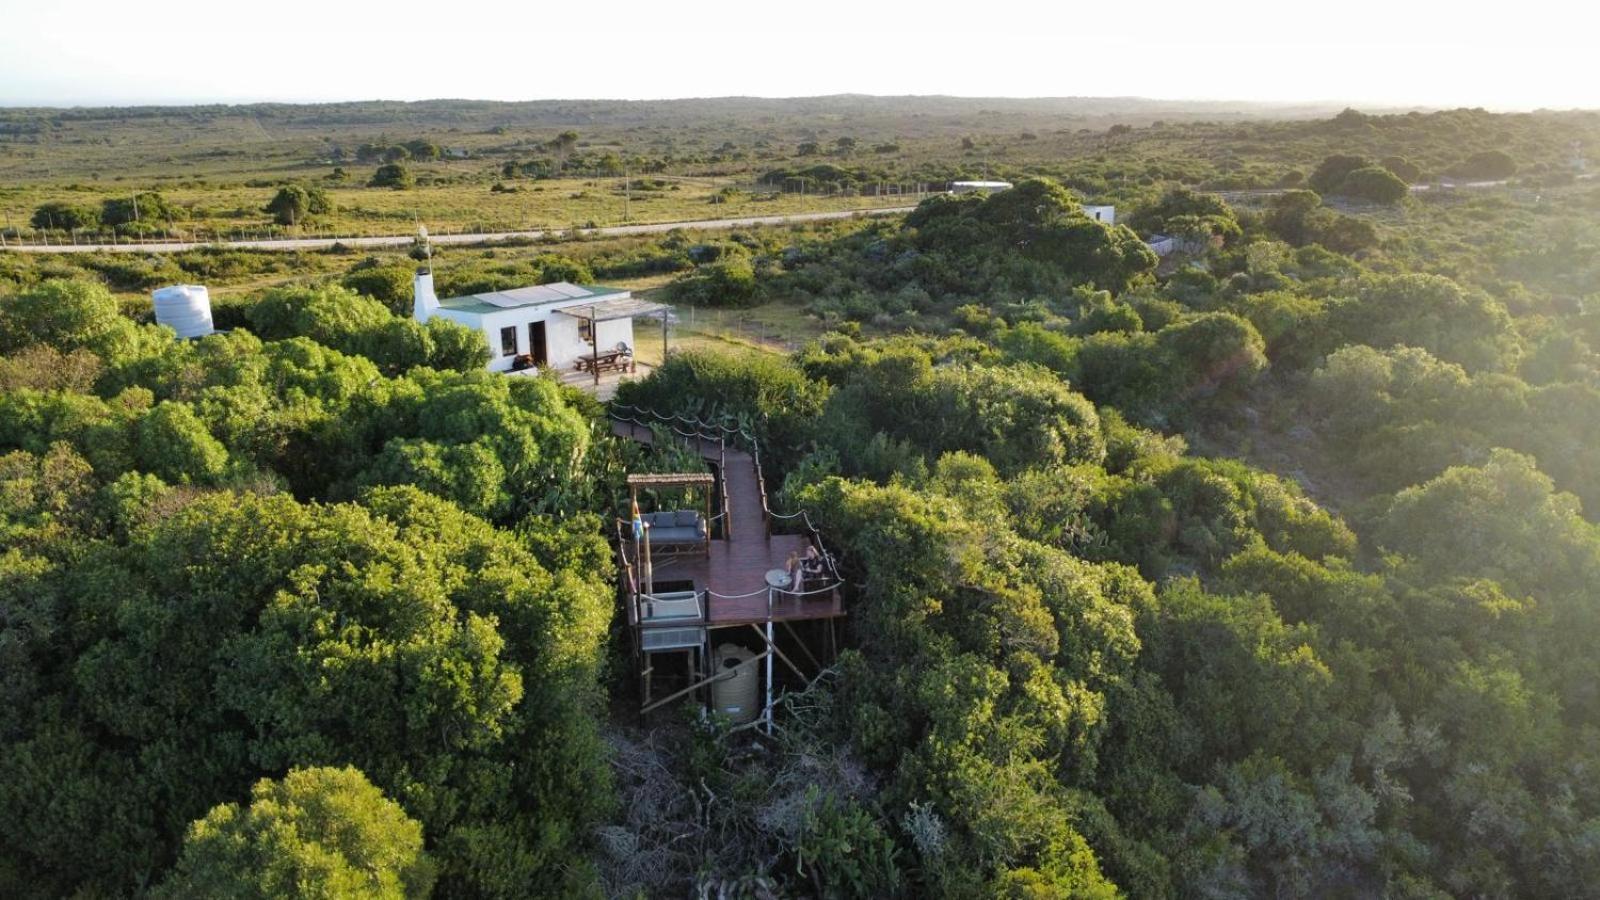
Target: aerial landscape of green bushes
[[1264, 567]]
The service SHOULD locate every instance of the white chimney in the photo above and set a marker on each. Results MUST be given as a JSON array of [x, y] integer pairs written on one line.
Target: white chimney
[[424, 303]]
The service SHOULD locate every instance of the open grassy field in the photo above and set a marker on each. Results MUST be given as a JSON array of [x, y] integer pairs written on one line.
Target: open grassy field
[[558, 165], [219, 166], [776, 327], [450, 200]]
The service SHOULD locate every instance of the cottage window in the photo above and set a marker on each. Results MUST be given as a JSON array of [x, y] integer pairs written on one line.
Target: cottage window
[[586, 331], [508, 341]]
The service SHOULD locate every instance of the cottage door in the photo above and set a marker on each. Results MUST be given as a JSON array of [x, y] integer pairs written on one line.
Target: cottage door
[[536, 346]]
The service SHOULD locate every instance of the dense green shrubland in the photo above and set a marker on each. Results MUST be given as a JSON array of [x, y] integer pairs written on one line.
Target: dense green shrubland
[[1083, 657], [1115, 663], [324, 574], [229, 557]]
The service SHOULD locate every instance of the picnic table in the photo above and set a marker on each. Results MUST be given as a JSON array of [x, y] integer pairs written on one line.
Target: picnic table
[[611, 360]]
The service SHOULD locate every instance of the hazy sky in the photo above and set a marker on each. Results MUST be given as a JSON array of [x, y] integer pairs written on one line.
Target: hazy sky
[[1531, 54]]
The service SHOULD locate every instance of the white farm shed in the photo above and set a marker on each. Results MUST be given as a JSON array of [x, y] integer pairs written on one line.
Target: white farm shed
[[546, 325], [979, 187], [1101, 213]]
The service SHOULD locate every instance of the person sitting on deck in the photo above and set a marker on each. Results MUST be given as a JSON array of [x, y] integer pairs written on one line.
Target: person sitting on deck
[[793, 567], [812, 565]]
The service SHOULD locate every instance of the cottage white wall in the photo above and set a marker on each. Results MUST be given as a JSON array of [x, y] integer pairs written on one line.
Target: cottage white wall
[[1106, 214], [500, 362], [460, 318], [479, 324], [617, 331], [489, 326], [561, 336], [511, 318]]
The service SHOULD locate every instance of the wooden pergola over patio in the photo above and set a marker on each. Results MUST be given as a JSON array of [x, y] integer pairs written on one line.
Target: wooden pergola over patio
[[672, 479], [610, 310]]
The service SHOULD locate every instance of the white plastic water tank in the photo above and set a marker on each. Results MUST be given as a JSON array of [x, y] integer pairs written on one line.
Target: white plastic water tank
[[185, 308]]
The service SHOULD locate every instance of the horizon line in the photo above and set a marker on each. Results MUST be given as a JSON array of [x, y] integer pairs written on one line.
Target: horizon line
[[1324, 103]]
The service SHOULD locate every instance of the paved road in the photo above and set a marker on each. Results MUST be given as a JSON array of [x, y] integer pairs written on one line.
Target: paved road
[[404, 239], [1415, 189]]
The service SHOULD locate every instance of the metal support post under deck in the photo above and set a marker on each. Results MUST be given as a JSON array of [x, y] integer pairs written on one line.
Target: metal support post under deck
[[772, 648]]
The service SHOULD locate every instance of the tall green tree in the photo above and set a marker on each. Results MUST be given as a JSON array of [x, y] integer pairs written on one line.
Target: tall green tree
[[1374, 183], [294, 204], [392, 175], [142, 206], [1331, 172], [319, 832], [65, 216], [64, 315]]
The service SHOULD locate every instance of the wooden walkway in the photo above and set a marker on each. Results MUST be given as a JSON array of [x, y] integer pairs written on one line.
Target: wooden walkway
[[734, 573]]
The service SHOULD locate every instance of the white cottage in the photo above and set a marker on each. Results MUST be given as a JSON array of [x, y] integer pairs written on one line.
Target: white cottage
[[561, 325]]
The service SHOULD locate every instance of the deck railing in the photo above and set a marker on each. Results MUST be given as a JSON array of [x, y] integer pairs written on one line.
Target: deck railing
[[721, 432], [727, 508]]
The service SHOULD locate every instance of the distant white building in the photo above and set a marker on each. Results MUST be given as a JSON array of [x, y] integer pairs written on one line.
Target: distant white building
[[547, 325], [979, 187], [1106, 214], [1167, 244]]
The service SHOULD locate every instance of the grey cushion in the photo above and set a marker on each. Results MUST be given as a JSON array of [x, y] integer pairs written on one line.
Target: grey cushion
[[681, 526]]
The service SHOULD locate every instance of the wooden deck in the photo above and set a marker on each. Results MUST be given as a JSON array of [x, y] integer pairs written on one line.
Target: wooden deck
[[605, 390], [734, 572]]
